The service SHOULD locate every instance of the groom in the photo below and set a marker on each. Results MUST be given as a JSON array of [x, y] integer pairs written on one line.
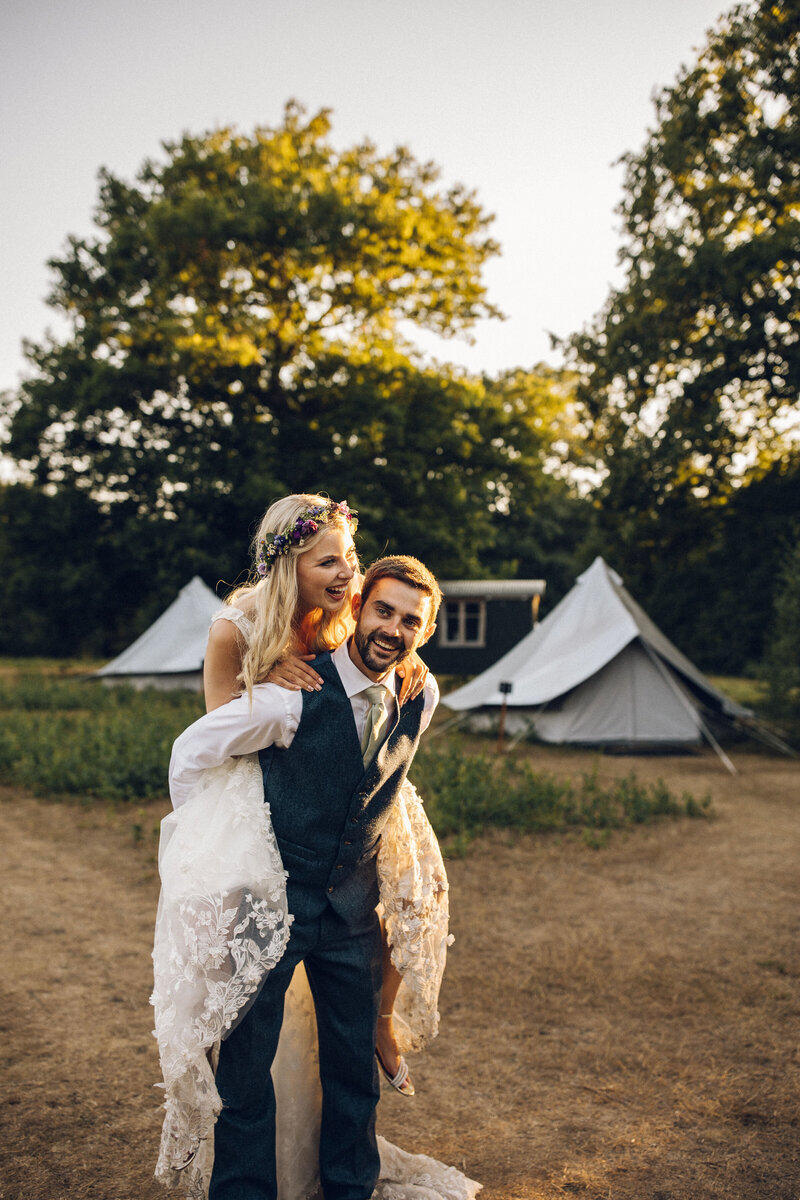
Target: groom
[[333, 763]]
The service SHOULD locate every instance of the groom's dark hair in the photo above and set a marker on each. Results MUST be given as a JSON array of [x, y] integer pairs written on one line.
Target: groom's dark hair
[[408, 570]]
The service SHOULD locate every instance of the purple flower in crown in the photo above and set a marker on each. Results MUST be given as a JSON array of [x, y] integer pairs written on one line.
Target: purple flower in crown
[[308, 523]]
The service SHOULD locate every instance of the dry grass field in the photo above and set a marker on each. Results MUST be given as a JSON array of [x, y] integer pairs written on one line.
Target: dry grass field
[[620, 1023]]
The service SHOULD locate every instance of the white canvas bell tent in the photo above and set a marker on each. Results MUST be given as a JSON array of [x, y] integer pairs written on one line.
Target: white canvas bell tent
[[597, 670], [170, 653]]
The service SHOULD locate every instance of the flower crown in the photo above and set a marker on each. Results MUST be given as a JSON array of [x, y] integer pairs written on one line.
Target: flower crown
[[309, 521]]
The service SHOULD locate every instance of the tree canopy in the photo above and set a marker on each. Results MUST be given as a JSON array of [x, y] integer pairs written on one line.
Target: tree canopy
[[689, 377], [237, 332], [783, 647], [218, 282]]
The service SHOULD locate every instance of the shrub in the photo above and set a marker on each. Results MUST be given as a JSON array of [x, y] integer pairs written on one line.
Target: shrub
[[78, 738], [465, 794], [782, 663]]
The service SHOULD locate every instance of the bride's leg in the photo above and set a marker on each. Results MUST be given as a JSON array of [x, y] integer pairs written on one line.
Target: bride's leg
[[385, 1039]]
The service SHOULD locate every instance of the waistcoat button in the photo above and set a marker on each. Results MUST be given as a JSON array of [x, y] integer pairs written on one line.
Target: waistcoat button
[[330, 889], [340, 866]]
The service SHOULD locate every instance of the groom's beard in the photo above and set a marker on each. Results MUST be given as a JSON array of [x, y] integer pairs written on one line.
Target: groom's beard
[[365, 643]]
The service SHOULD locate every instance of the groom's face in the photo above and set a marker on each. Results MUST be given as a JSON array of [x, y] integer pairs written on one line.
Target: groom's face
[[392, 622]]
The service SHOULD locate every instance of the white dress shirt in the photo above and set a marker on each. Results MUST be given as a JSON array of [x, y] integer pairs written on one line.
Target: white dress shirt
[[241, 728]]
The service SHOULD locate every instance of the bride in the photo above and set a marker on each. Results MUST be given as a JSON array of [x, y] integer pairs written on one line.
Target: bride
[[223, 923]]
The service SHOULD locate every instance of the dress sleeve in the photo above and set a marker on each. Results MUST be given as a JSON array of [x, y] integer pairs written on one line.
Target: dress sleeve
[[431, 700], [242, 726], [236, 617]]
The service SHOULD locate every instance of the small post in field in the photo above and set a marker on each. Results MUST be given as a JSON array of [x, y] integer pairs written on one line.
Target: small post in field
[[505, 692]]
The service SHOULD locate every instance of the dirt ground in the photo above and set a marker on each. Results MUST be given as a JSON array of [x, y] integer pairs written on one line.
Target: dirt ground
[[619, 1023]]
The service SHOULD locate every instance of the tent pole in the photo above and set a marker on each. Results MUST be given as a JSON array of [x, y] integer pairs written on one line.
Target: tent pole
[[723, 756], [529, 727], [456, 720], [762, 733], [726, 762], [517, 738]]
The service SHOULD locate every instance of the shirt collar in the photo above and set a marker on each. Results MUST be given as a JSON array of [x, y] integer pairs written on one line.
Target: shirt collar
[[353, 679]]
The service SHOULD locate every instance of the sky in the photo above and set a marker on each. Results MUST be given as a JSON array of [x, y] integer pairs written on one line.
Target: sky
[[528, 102]]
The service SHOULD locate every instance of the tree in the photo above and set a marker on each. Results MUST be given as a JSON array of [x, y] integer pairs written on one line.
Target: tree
[[690, 375], [539, 518], [219, 281], [687, 381], [51, 590], [235, 336], [433, 458], [435, 461], [716, 588], [783, 652]]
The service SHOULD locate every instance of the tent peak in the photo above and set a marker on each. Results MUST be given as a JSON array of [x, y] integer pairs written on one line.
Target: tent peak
[[175, 644], [598, 669], [600, 568]]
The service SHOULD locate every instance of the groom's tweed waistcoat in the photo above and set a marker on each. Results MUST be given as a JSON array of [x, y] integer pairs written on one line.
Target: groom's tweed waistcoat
[[327, 811]]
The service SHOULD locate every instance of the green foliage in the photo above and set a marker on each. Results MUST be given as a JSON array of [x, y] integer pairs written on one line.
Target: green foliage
[[688, 380], [693, 367], [437, 461], [234, 336], [467, 793], [782, 662], [449, 467], [60, 738], [706, 574], [715, 595], [747, 691], [220, 278], [39, 536]]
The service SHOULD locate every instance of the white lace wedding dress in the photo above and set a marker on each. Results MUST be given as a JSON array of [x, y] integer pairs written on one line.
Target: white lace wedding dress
[[223, 923]]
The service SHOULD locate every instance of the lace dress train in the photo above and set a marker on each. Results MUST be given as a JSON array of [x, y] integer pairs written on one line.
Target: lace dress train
[[222, 924]]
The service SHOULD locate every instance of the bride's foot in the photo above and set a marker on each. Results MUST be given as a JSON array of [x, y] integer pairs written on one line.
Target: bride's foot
[[184, 1158], [390, 1060]]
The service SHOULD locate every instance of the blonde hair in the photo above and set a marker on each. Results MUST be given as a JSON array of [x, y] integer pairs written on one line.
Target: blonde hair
[[276, 627]]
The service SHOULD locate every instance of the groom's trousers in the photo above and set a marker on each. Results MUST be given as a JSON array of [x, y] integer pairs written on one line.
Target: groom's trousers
[[343, 965]]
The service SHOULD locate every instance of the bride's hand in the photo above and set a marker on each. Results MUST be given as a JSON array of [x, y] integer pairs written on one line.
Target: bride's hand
[[294, 674], [413, 673]]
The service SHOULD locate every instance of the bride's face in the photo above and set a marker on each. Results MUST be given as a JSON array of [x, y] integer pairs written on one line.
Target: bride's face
[[324, 572]]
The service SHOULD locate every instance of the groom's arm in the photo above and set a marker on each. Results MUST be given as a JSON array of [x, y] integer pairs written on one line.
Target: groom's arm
[[232, 729]]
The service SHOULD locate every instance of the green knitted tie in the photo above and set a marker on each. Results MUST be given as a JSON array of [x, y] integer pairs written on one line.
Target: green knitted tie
[[376, 722]]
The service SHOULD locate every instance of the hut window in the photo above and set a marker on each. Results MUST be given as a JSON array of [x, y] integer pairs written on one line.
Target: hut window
[[464, 623]]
